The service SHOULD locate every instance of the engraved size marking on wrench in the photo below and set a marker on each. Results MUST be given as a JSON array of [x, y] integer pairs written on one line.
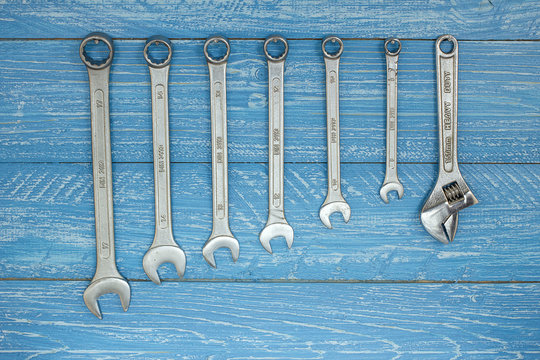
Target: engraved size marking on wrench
[[451, 194], [391, 180], [163, 248], [334, 200], [276, 225], [106, 279], [221, 235]]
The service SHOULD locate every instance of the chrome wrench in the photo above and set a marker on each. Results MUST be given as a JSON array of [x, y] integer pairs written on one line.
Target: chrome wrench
[[391, 180], [450, 194], [163, 248], [276, 224], [334, 199], [221, 235], [106, 279]]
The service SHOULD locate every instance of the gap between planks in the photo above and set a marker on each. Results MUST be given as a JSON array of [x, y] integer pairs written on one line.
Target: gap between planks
[[262, 39]]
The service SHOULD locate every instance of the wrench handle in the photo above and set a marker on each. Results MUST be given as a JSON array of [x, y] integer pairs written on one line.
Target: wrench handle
[[447, 99], [332, 124], [160, 132], [275, 136], [391, 115], [218, 114], [102, 170]]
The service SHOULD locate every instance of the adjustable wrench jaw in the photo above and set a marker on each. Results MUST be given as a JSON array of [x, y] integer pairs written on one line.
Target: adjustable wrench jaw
[[439, 214]]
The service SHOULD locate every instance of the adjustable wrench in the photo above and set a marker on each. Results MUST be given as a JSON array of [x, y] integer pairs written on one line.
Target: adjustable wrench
[[391, 180], [334, 199], [106, 279], [221, 235], [276, 224], [163, 248], [450, 194]]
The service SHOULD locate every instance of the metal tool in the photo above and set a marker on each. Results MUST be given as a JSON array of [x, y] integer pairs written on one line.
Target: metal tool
[[276, 224], [391, 180], [450, 194], [221, 235], [163, 248], [106, 279], [334, 199]]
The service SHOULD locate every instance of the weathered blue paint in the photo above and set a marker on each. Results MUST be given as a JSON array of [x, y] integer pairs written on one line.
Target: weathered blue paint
[[324, 304]]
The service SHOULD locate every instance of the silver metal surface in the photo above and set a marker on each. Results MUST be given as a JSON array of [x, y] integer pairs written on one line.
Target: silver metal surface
[[391, 180], [106, 279], [450, 194], [334, 199], [164, 248], [221, 235], [276, 224]]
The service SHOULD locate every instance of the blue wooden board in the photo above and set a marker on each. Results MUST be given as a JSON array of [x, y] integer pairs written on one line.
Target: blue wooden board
[[377, 288], [273, 321]]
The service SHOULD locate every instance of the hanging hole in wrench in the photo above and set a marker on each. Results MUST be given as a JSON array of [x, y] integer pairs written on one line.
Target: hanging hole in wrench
[[332, 47], [276, 48], [96, 50], [447, 44], [392, 46], [158, 51], [217, 49]]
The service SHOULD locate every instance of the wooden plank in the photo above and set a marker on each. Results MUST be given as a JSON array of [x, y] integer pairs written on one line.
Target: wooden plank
[[48, 319], [45, 111], [47, 224], [510, 19]]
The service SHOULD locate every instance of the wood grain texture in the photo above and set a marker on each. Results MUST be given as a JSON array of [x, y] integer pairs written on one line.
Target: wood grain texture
[[273, 321], [510, 19], [45, 107], [48, 208]]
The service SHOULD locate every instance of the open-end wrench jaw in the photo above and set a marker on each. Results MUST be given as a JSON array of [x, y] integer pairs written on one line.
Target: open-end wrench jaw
[[103, 286], [331, 206], [218, 242], [440, 212], [156, 256], [391, 186], [276, 229]]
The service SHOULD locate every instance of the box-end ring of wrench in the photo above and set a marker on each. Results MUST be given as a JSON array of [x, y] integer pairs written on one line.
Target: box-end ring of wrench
[[106, 279], [450, 194], [391, 181], [221, 235], [334, 199], [276, 224], [164, 248]]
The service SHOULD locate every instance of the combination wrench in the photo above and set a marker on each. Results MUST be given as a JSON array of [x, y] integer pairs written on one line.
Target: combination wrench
[[163, 248], [221, 235], [450, 194], [391, 180], [106, 279], [334, 199], [276, 225]]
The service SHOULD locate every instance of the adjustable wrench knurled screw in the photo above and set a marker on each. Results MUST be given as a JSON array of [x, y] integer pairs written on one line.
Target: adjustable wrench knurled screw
[[276, 224], [221, 235], [450, 194], [163, 248], [334, 199], [106, 279], [391, 180]]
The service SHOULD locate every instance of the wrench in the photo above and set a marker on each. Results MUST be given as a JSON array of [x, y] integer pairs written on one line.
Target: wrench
[[450, 194], [276, 224], [221, 235], [334, 199], [106, 279], [391, 180], [163, 248]]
